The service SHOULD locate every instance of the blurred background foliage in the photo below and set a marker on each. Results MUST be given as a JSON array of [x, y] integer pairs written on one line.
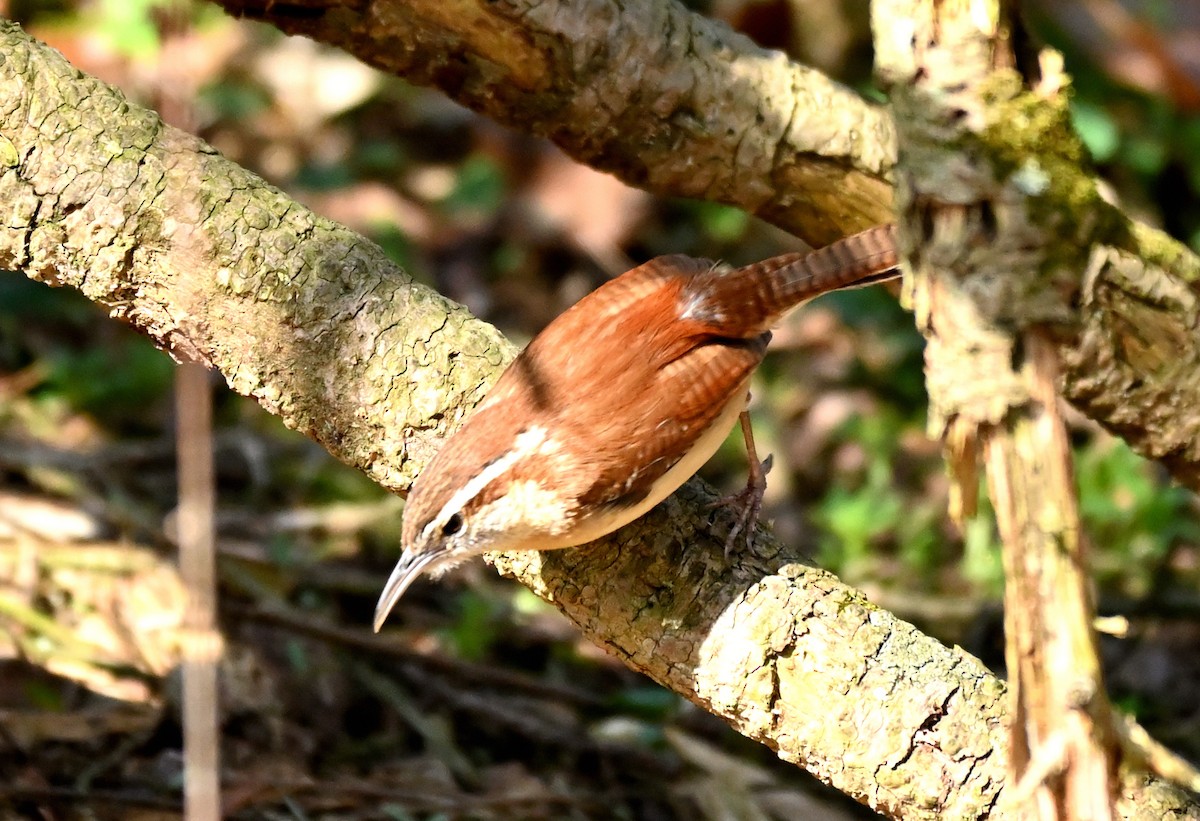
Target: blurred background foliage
[[505, 224]]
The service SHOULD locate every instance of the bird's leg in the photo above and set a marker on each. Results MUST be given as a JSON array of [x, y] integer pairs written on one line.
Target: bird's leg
[[747, 503]]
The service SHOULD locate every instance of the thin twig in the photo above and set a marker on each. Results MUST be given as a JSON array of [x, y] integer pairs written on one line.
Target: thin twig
[[361, 639], [70, 795], [202, 644]]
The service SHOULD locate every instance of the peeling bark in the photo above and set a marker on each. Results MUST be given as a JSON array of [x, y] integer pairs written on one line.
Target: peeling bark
[[1001, 240], [312, 321]]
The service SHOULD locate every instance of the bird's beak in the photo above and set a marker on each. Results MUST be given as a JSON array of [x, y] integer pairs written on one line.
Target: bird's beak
[[410, 566]]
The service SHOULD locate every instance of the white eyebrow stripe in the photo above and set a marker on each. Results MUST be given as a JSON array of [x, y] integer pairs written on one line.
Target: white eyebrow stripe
[[526, 442]]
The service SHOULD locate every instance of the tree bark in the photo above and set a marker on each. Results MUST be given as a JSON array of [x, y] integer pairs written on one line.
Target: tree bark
[[999, 254], [316, 324], [660, 97], [219, 268]]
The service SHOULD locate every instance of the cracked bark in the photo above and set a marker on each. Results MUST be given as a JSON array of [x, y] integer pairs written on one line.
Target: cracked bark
[[219, 268], [316, 324], [324, 331]]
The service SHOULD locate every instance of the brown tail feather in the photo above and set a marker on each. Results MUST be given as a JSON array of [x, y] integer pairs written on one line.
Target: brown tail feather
[[758, 295]]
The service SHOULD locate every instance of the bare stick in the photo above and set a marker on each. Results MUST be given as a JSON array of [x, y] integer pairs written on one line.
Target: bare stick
[[202, 644]]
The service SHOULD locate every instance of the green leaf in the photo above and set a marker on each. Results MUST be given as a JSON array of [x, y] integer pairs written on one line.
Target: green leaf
[[723, 223], [480, 187], [1097, 130], [129, 28]]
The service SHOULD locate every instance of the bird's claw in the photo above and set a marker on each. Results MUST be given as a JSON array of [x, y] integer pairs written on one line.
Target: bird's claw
[[746, 504]]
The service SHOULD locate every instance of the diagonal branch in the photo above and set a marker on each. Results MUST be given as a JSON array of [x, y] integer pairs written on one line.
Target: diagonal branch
[[659, 96]]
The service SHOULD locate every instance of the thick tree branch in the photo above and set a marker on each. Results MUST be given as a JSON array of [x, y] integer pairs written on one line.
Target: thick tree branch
[[678, 104], [663, 98], [315, 323], [219, 268]]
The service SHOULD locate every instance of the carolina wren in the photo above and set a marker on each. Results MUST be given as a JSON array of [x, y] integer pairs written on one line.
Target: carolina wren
[[614, 405]]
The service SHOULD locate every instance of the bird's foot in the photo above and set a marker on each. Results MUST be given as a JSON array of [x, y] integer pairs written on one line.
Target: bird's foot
[[746, 504]]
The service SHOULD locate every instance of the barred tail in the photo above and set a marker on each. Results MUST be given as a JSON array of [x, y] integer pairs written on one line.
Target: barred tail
[[749, 301]]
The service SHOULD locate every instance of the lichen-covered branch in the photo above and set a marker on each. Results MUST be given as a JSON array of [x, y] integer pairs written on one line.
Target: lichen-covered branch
[[220, 268], [790, 657], [660, 96]]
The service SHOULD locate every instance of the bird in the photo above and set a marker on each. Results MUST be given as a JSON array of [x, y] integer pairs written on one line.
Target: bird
[[615, 404]]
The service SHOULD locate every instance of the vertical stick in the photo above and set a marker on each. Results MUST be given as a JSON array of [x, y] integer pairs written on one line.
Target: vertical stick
[[202, 642]]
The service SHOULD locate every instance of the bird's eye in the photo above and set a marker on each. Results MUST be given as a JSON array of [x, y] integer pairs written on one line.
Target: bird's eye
[[453, 525]]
